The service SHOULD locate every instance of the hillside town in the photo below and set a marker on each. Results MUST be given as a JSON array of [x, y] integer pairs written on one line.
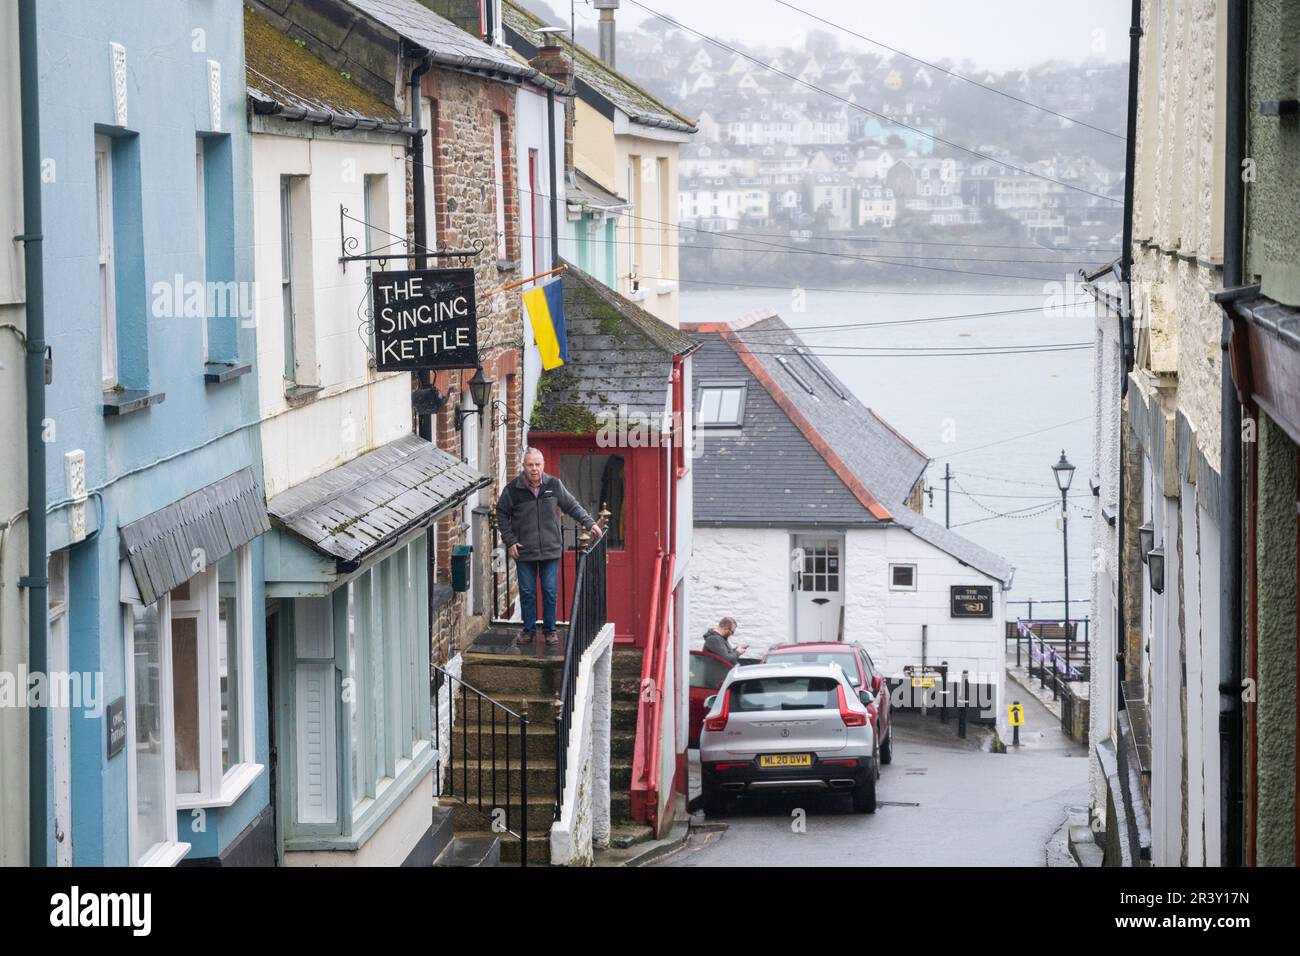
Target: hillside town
[[432, 442]]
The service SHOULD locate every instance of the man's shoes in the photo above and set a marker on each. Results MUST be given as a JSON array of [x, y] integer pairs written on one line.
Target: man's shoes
[[525, 638], [552, 638]]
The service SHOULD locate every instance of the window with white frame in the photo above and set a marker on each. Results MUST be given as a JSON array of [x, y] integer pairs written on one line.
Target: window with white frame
[[499, 184], [902, 577], [296, 281], [388, 661], [211, 669], [378, 623], [150, 756], [375, 211], [722, 404], [107, 293]]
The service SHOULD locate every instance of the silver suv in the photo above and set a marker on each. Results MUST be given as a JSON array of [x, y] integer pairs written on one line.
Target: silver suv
[[774, 728]]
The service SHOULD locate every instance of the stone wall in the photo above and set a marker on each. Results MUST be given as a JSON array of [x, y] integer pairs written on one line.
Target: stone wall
[[1275, 716], [461, 153]]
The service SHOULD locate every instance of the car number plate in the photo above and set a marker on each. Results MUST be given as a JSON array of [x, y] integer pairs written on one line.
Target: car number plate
[[785, 760]]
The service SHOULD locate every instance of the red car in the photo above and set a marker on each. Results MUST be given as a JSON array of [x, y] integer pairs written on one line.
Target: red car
[[862, 674], [708, 671]]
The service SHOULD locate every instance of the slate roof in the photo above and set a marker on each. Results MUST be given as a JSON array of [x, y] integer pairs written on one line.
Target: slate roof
[[286, 79], [450, 46], [215, 520], [641, 106], [888, 463], [771, 473], [766, 473], [363, 506], [582, 190], [619, 355]]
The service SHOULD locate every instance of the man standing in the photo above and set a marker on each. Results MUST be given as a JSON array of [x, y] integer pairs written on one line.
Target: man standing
[[717, 641], [528, 515]]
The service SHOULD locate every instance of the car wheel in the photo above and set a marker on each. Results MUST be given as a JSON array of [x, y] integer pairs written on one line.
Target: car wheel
[[864, 797], [715, 804], [887, 748]]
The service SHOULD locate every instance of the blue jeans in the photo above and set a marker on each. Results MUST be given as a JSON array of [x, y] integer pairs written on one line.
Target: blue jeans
[[528, 573]]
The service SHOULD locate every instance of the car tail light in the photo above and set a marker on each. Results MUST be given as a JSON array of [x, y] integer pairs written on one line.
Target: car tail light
[[851, 718], [720, 722]]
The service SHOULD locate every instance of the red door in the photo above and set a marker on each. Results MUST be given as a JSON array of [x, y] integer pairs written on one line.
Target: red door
[[626, 482]]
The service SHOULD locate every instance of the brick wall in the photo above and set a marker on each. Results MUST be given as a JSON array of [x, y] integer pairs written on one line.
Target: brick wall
[[460, 152]]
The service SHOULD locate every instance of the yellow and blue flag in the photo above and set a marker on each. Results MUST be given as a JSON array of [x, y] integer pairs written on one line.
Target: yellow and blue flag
[[545, 306]]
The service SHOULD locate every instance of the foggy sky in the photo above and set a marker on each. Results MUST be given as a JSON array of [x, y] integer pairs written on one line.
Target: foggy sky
[[994, 34]]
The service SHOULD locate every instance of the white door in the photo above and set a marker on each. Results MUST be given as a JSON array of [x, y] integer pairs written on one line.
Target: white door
[[818, 586], [60, 713]]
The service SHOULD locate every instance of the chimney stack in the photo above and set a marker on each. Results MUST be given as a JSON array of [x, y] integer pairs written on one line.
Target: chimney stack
[[606, 8], [552, 60]]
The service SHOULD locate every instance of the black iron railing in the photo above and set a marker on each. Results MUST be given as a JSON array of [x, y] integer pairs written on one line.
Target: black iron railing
[[481, 782], [588, 616], [505, 583]]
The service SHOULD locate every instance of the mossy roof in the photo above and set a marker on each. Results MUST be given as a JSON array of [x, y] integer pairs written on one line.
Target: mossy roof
[[638, 103], [277, 68], [620, 360]]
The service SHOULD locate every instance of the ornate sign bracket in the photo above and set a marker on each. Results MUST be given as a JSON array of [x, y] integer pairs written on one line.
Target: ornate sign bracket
[[399, 248]]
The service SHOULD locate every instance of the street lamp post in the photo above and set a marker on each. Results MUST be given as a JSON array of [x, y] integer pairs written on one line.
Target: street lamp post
[[1063, 471]]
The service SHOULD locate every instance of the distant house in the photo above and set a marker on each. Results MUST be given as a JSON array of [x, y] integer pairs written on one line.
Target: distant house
[[876, 207], [807, 517], [830, 195]]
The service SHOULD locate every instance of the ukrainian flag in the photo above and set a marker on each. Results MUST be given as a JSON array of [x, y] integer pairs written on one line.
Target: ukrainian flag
[[545, 306]]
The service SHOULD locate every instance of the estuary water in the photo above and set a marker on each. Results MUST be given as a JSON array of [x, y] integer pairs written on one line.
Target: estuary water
[[999, 421]]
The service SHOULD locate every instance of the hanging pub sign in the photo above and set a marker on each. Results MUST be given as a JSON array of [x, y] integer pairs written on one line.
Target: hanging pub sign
[[424, 320], [972, 600]]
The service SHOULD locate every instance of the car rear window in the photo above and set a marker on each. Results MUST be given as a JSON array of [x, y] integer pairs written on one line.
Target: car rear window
[[845, 660], [784, 693]]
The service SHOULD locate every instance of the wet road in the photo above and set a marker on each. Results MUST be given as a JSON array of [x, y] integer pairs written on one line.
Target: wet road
[[943, 801]]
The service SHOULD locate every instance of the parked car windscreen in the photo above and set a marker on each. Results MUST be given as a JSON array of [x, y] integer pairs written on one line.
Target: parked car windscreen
[[784, 693], [843, 658]]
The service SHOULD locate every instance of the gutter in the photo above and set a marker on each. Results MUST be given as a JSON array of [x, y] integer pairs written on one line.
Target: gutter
[[1232, 777], [36, 581], [264, 106]]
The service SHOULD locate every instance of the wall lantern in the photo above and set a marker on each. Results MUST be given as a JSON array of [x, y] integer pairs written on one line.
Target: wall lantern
[[1146, 540], [1156, 569], [480, 389]]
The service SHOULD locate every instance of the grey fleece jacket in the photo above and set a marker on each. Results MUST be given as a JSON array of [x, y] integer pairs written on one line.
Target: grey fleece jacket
[[534, 522]]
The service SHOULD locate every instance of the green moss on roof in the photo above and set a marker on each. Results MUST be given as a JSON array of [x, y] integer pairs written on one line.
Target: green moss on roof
[[283, 69], [556, 410]]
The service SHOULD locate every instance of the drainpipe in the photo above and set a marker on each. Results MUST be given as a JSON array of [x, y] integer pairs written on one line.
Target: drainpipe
[[1126, 331], [1230, 598], [555, 193], [423, 423], [36, 581]]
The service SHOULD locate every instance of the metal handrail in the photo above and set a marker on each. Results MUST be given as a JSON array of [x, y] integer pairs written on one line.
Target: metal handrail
[[589, 614], [504, 593], [442, 680]]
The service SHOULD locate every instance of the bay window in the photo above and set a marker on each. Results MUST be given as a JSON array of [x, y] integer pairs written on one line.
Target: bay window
[[189, 704], [357, 678]]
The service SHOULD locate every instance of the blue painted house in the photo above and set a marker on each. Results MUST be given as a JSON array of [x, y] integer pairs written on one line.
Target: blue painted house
[[155, 506]]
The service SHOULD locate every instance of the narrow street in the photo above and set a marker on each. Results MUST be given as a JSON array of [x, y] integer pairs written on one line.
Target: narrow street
[[943, 802]]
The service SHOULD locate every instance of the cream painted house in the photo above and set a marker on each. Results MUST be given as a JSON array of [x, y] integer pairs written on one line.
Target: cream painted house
[[346, 569], [626, 141]]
